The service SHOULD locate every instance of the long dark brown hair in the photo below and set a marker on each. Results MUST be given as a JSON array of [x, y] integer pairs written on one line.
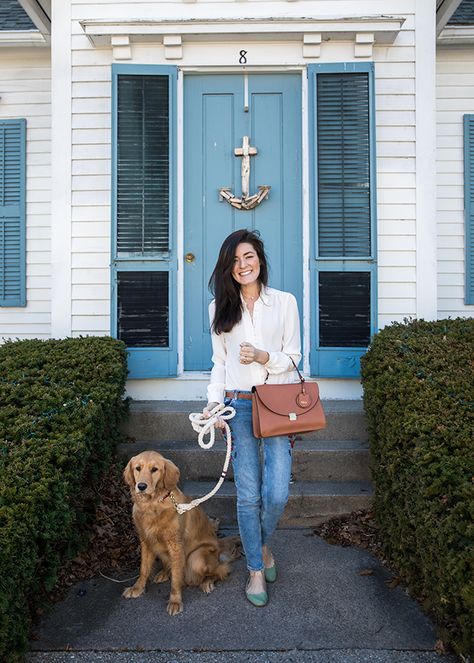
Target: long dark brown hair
[[224, 287]]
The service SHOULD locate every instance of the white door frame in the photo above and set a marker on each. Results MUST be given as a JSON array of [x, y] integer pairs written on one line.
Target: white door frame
[[305, 201]]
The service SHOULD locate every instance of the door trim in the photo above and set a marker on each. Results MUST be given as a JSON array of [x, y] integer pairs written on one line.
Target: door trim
[[305, 202]]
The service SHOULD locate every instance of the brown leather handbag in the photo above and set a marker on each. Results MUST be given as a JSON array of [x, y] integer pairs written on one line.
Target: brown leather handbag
[[287, 409]]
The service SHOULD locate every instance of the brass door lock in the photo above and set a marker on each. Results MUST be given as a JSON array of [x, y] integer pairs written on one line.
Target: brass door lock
[[189, 257]]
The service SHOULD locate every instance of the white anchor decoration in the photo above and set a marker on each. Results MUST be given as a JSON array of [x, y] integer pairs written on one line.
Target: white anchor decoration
[[246, 202]]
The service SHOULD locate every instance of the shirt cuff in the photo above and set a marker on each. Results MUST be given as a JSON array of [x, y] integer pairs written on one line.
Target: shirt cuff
[[278, 362], [215, 393], [272, 357]]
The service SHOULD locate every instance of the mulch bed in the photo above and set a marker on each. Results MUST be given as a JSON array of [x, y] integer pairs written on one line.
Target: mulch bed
[[113, 548]]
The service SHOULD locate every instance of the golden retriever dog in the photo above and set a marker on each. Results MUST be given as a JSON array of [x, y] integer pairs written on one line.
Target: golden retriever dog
[[187, 544]]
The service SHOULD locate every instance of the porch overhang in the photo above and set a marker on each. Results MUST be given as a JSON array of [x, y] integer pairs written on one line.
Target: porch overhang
[[364, 31], [456, 35], [39, 12], [23, 38]]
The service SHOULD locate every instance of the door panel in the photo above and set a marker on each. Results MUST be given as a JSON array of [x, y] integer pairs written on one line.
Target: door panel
[[215, 121]]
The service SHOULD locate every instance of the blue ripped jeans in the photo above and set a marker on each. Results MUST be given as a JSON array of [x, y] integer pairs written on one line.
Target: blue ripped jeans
[[262, 470]]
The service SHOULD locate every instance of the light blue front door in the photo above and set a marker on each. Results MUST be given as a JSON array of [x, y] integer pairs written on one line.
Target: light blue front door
[[219, 110]]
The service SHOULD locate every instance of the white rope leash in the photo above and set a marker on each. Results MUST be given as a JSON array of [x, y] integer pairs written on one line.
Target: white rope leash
[[206, 426]]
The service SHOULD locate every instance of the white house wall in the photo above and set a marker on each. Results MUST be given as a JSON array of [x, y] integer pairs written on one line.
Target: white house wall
[[25, 92], [455, 98]]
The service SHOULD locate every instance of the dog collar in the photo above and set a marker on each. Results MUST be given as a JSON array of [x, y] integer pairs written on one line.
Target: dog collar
[[172, 498]]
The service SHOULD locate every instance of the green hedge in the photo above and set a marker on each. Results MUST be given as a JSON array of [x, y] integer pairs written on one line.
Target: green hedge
[[418, 380], [61, 405]]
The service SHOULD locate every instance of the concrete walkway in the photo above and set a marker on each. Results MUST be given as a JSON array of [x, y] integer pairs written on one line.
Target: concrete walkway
[[321, 610]]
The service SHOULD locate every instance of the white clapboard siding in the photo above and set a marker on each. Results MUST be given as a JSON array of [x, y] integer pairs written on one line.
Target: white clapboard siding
[[402, 274], [25, 89], [396, 212], [397, 258], [90, 276], [389, 291], [449, 280], [455, 97], [83, 214], [87, 121]]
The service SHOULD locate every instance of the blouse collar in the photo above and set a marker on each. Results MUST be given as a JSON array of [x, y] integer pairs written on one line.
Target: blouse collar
[[265, 296]]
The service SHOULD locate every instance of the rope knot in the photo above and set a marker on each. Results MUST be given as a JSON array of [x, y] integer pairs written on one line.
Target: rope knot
[[206, 426]]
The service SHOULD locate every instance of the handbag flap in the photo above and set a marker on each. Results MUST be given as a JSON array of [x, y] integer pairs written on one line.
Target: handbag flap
[[281, 398]]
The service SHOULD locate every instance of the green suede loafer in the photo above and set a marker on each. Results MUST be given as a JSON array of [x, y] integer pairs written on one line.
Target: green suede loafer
[[271, 573], [258, 600]]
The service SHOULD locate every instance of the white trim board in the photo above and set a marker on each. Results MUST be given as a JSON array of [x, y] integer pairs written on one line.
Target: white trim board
[[192, 387]]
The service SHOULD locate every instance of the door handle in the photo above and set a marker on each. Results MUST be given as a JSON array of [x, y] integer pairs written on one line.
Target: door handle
[[189, 257]]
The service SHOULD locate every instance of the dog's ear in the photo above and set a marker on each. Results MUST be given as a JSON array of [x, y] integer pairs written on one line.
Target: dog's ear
[[171, 475], [128, 474]]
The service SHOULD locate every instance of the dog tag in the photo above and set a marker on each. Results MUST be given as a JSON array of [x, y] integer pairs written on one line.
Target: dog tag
[[292, 416]]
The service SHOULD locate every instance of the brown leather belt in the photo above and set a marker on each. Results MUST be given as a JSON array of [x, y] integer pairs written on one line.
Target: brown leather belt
[[238, 395]]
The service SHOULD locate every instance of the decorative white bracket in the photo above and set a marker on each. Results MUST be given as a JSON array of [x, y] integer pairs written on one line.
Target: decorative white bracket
[[312, 45], [121, 48], [173, 47], [364, 42]]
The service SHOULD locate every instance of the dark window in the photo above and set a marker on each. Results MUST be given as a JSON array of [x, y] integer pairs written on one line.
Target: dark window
[[344, 309], [143, 310]]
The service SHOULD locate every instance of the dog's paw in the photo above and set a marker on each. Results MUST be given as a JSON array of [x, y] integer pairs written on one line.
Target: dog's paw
[[174, 607], [132, 592], [162, 576], [207, 586]]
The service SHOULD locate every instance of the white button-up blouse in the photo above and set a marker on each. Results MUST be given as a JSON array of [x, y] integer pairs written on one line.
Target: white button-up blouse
[[274, 327]]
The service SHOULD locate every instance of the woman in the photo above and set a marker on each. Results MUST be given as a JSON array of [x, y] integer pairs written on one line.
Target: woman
[[255, 330]]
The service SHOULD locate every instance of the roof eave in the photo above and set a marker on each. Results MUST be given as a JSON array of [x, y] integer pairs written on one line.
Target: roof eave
[[38, 15], [444, 11], [22, 38], [456, 35]]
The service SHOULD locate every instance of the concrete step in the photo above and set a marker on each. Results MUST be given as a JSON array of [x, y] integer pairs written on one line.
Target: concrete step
[[313, 460], [168, 420], [310, 503]]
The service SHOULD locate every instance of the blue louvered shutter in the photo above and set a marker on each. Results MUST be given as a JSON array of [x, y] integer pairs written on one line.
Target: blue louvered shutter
[[143, 163], [343, 213], [343, 158], [144, 255], [12, 213], [469, 205]]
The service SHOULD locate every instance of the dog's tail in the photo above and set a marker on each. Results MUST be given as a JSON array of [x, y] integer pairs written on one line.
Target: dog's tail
[[230, 548]]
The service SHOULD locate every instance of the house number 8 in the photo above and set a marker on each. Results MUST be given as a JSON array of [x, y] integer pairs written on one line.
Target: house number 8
[[243, 59]]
